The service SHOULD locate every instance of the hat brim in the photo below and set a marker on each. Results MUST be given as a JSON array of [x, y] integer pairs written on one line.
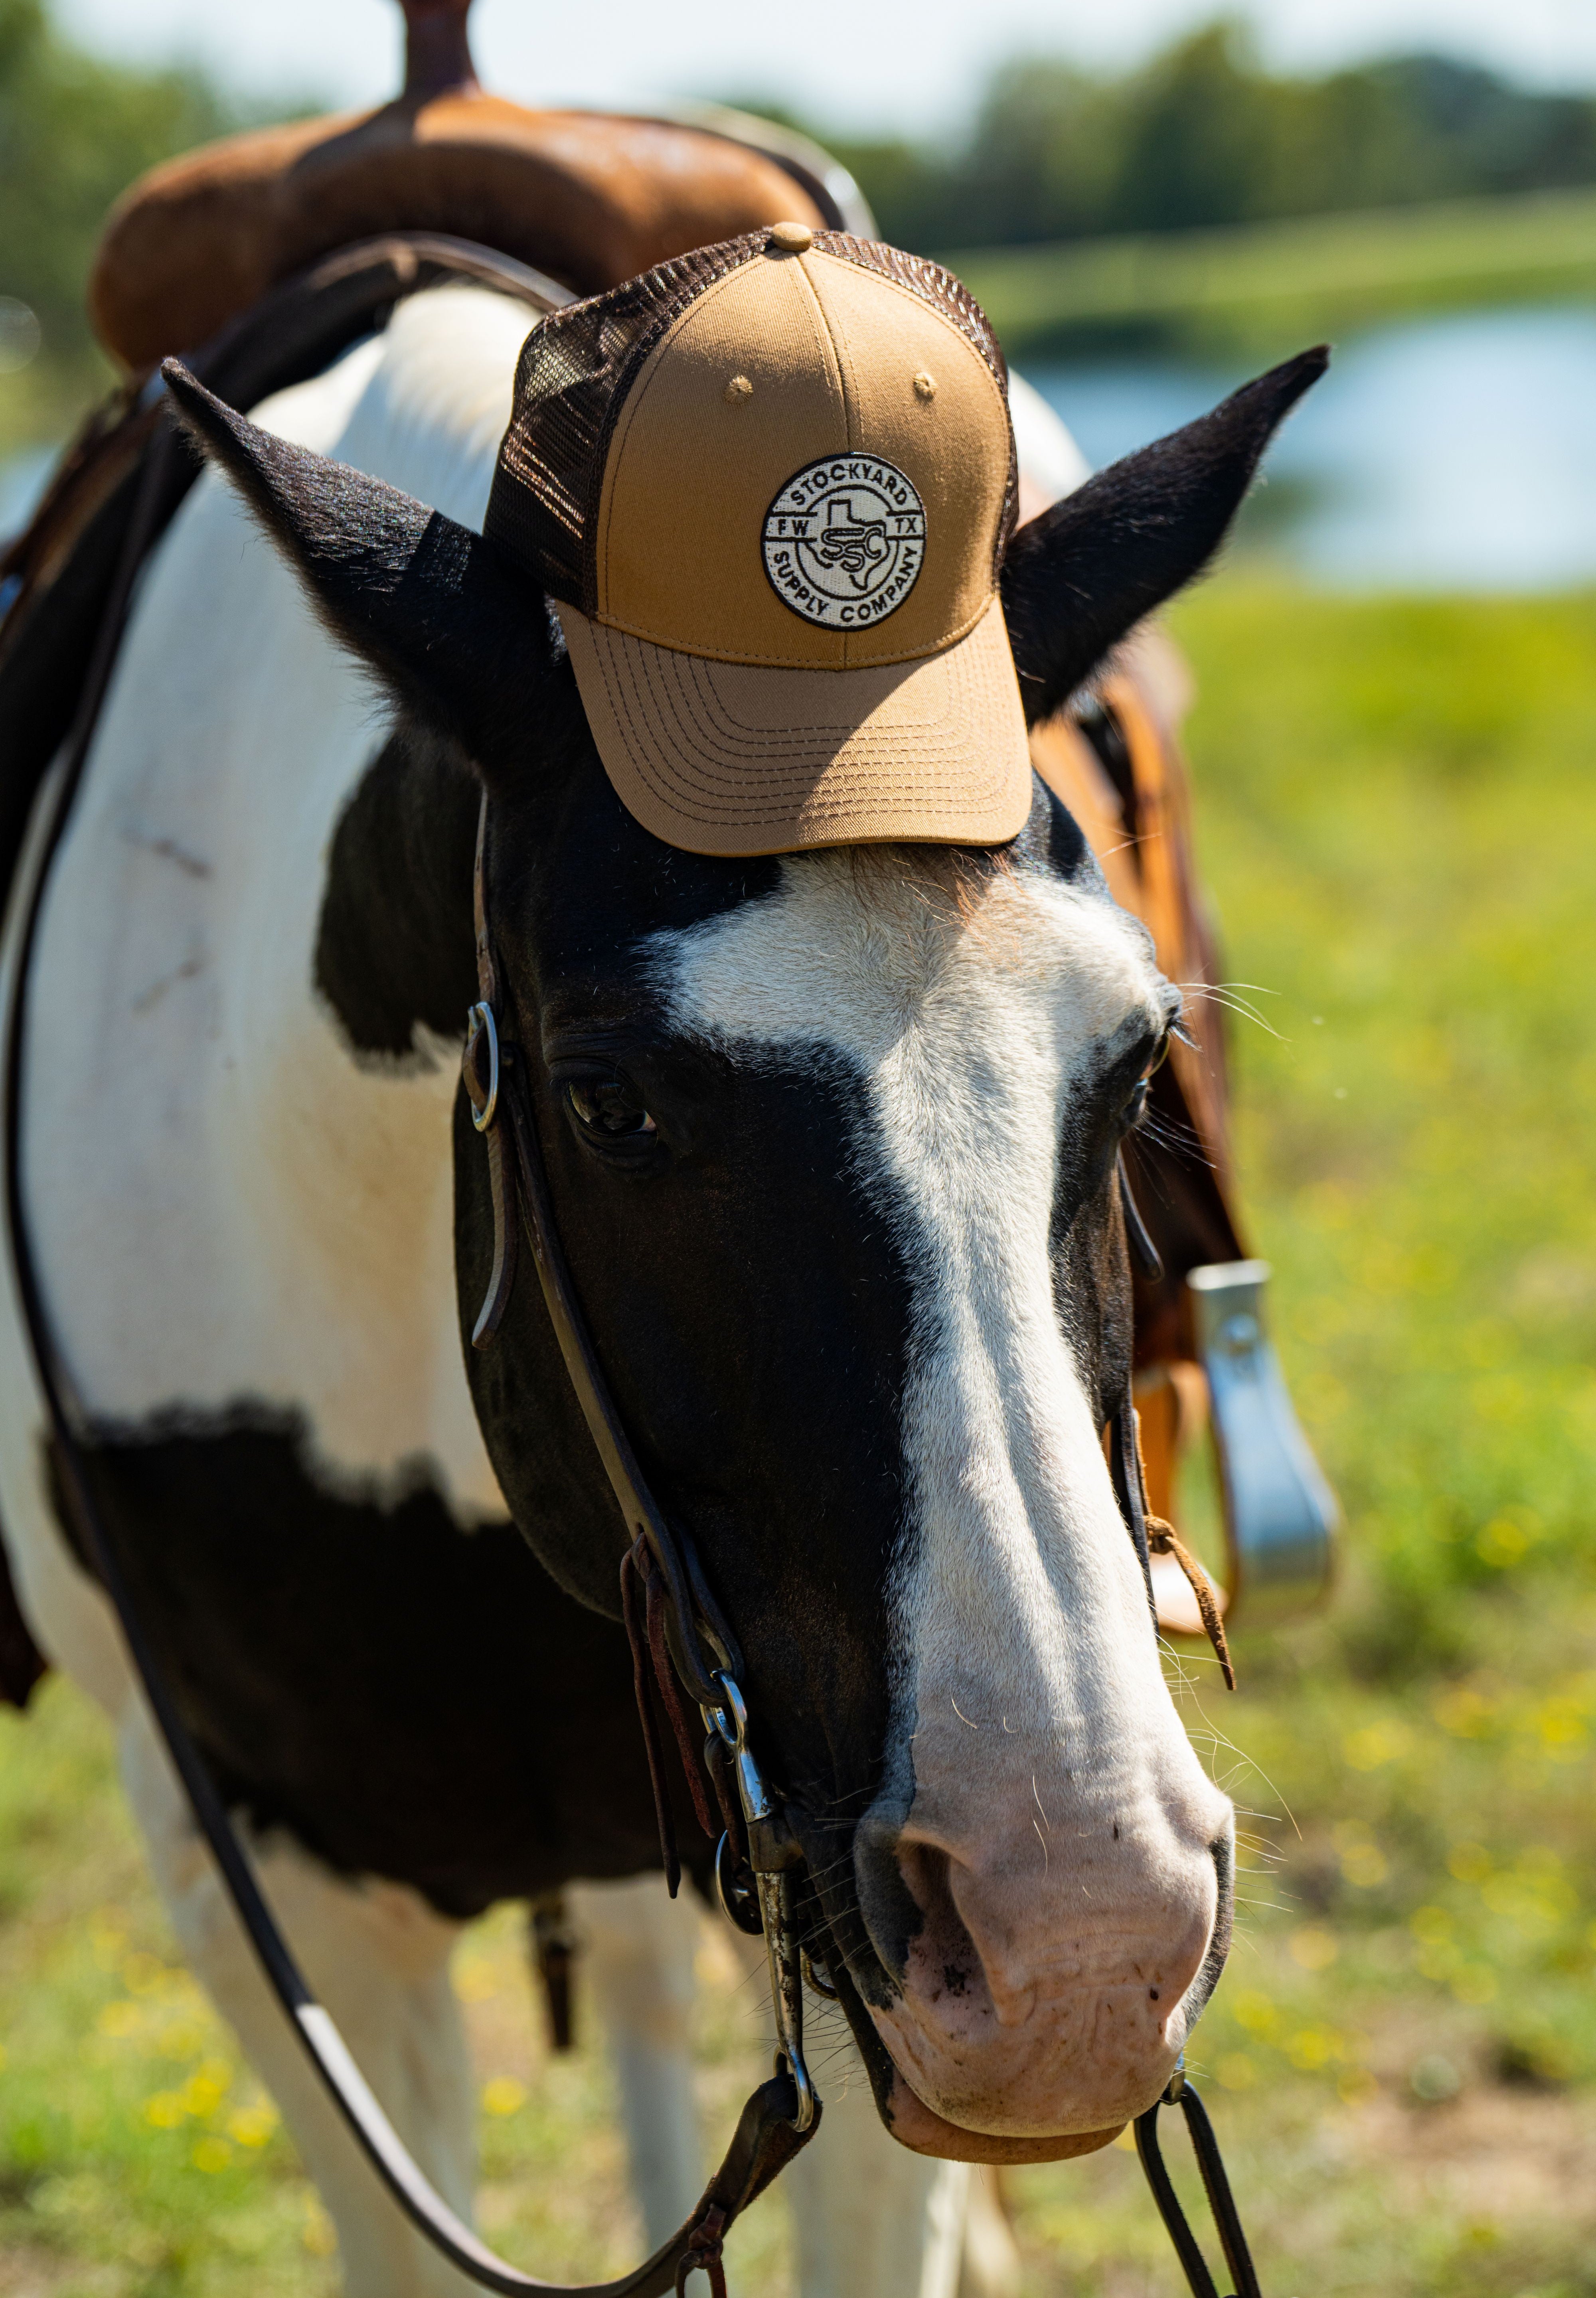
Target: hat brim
[[739, 758]]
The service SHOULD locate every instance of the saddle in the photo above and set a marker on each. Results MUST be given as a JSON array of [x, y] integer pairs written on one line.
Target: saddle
[[586, 198]]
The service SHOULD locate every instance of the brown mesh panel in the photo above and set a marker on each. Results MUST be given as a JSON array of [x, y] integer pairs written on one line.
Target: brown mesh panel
[[577, 366], [571, 381]]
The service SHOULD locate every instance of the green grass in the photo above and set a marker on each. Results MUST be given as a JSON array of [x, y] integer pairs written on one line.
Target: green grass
[[1252, 283], [1396, 803]]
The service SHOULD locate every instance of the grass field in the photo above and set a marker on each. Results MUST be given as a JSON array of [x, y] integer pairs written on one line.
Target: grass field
[[1396, 807], [1253, 284]]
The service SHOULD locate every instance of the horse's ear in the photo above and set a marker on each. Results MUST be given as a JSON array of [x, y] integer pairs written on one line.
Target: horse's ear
[[454, 631], [1078, 578]]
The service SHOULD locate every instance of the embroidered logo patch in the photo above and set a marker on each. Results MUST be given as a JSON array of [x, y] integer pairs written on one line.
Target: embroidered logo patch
[[844, 541]]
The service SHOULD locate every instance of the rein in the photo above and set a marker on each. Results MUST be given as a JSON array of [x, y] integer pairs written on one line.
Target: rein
[[679, 1637]]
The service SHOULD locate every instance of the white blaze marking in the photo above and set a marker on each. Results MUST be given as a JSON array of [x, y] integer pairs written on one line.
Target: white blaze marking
[[1020, 1595], [966, 1039]]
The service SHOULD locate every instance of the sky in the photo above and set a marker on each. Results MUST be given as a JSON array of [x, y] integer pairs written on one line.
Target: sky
[[913, 66]]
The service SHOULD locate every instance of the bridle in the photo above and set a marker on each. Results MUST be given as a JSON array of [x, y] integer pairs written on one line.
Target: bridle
[[677, 1631], [681, 1640], [678, 1616]]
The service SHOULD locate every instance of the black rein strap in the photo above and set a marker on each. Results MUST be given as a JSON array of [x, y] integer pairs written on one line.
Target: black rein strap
[[1217, 2186]]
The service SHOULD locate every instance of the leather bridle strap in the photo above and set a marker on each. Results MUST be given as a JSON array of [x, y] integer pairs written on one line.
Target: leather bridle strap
[[1151, 1535], [496, 1084], [761, 1867]]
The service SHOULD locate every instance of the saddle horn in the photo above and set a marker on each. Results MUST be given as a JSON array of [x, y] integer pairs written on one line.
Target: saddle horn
[[437, 50]]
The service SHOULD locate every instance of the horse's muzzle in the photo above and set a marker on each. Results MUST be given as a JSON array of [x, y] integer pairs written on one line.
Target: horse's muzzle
[[1040, 2020]]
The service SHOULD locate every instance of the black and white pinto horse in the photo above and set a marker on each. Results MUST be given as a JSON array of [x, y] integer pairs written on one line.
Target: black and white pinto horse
[[832, 1142]]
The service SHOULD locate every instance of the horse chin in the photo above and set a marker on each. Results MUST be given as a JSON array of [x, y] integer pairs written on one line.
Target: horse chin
[[924, 2131], [906, 2114], [918, 2127]]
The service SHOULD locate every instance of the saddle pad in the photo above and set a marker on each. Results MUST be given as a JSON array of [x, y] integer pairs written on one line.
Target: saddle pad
[[1146, 853], [588, 198]]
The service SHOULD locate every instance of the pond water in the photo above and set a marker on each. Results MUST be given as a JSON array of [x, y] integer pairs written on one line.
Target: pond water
[[21, 483], [1452, 453]]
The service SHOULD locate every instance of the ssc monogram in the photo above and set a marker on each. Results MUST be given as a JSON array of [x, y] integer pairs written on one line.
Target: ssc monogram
[[844, 541]]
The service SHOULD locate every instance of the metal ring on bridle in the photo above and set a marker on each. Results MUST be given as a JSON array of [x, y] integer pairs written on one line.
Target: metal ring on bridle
[[790, 2061], [731, 1720], [480, 1019]]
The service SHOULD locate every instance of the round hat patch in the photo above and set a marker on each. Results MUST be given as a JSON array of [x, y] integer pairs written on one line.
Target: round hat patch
[[844, 541]]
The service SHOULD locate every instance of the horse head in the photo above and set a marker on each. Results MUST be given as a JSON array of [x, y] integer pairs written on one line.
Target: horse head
[[831, 1141]]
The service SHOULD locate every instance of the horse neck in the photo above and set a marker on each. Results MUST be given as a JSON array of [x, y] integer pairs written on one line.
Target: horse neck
[[188, 938]]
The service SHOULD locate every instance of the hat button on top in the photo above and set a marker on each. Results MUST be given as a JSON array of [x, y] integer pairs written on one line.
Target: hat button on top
[[791, 238]]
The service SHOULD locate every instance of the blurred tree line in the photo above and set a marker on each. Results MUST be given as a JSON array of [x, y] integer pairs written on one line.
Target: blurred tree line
[[1204, 134], [73, 132]]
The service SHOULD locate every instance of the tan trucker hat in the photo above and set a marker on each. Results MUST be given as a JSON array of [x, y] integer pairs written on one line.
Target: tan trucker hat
[[769, 486]]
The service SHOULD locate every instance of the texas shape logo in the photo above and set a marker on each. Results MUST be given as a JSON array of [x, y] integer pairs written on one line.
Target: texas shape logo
[[844, 541]]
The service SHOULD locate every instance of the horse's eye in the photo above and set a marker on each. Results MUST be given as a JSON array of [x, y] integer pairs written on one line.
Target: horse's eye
[[1135, 1108], [606, 1107]]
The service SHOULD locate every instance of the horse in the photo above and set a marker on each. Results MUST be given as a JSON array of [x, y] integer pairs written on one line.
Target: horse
[[832, 1143]]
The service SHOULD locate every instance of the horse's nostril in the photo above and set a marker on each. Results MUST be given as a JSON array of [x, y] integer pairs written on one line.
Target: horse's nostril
[[927, 1872], [891, 1914], [948, 1960], [1222, 1852]]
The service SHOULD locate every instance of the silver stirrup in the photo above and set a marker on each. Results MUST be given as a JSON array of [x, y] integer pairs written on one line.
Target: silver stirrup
[[1280, 1514]]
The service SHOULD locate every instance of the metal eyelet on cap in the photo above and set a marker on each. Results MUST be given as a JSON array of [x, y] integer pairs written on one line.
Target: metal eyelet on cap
[[791, 238]]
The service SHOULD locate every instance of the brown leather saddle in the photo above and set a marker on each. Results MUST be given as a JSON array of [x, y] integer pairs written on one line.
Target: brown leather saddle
[[589, 199], [586, 198]]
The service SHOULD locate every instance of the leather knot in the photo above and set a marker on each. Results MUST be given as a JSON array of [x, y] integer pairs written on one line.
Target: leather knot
[[644, 1605], [1163, 1539], [703, 2252]]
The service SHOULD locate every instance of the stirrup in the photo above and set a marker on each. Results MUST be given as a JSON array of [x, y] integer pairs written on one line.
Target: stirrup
[[1279, 1512]]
